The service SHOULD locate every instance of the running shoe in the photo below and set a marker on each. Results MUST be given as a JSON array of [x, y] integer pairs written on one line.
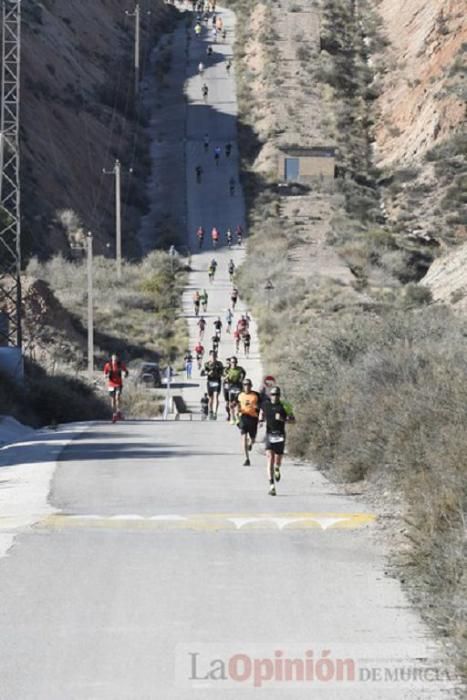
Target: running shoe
[[272, 490], [277, 474], [247, 463]]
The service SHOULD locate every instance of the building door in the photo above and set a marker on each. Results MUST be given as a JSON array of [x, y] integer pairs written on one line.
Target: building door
[[292, 168]]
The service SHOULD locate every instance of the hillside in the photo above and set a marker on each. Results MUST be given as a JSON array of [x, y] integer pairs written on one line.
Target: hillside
[[420, 140], [372, 366], [77, 117]]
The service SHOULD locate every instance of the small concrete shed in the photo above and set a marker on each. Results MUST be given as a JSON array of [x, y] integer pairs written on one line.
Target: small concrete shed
[[305, 164]]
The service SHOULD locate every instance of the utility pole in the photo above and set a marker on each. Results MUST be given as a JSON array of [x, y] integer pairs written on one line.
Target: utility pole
[[117, 172], [10, 211], [90, 312], [137, 15]]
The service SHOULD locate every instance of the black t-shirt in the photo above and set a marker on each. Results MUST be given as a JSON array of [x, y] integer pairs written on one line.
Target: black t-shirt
[[272, 424], [214, 370]]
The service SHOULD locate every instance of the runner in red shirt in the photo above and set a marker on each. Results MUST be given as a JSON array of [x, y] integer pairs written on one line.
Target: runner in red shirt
[[114, 371], [215, 237], [199, 352]]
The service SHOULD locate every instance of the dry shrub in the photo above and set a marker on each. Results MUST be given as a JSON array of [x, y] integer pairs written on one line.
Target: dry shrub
[[384, 398], [137, 313]]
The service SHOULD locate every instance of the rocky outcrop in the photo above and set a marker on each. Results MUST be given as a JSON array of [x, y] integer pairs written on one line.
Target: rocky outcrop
[[419, 131]]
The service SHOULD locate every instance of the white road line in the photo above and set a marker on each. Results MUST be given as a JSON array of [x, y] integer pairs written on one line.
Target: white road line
[[324, 523]]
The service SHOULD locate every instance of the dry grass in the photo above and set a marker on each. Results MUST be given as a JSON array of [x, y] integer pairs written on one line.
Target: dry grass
[[138, 316], [374, 370]]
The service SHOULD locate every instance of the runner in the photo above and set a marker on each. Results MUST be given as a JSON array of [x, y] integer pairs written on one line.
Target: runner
[[242, 325], [200, 236], [201, 68], [196, 302], [114, 370], [215, 340], [276, 416], [235, 377], [228, 65], [213, 369], [236, 337], [228, 149], [248, 408], [204, 300], [205, 91], [206, 142], [202, 326], [228, 320], [231, 269], [226, 387], [229, 237], [199, 354], [212, 269], [215, 237], [188, 359], [234, 297], [218, 327], [198, 173], [239, 232], [198, 28], [217, 154], [246, 343]]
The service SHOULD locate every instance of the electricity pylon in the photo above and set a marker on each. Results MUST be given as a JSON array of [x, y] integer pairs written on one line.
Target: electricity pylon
[[10, 214]]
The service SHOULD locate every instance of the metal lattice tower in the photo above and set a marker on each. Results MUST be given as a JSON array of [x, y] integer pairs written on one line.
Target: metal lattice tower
[[10, 222]]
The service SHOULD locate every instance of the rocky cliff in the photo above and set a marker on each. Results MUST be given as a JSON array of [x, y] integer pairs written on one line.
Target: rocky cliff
[[420, 138]]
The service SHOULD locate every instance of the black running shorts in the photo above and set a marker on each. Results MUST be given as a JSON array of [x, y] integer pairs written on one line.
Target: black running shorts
[[248, 426], [213, 387], [275, 442], [234, 392]]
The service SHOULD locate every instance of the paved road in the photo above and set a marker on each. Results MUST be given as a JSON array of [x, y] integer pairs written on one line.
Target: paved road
[[160, 554]]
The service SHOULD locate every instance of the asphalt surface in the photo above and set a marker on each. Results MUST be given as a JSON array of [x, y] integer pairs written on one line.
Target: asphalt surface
[[160, 556]]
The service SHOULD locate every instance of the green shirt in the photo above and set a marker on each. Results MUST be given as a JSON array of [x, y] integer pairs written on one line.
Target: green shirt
[[235, 375]]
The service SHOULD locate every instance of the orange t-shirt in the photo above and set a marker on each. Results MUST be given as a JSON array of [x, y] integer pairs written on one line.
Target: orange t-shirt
[[249, 403]]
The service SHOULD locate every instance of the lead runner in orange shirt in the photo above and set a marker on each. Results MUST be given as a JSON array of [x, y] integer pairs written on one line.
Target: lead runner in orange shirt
[[248, 407]]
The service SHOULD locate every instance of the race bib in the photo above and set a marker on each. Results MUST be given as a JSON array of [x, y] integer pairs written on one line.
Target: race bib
[[213, 385], [276, 438]]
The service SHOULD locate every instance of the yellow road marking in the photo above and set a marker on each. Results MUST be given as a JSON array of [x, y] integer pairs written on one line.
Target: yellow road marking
[[213, 521]]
